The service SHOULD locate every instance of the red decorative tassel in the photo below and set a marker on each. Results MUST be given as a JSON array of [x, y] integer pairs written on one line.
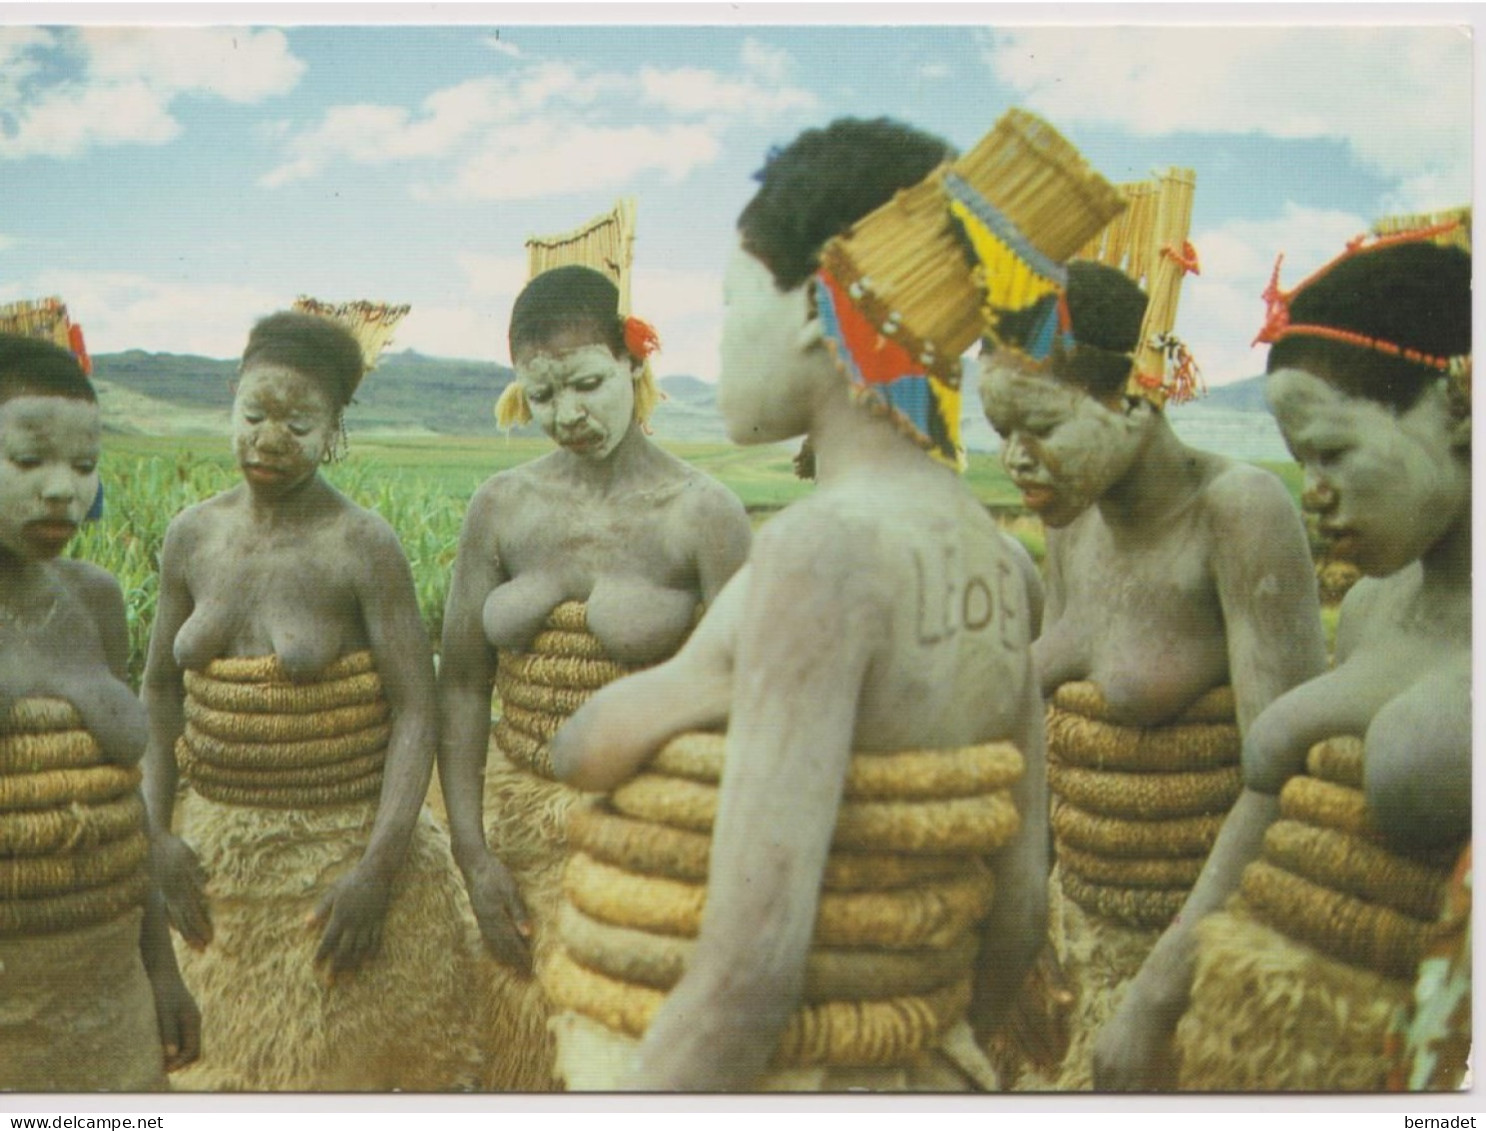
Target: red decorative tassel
[[640, 338], [79, 349]]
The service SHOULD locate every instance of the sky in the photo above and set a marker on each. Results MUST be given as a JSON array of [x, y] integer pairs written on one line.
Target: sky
[[174, 183]]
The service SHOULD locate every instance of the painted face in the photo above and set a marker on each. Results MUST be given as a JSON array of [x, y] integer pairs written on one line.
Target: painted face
[[1062, 448], [1384, 486], [48, 473], [767, 343], [283, 427], [579, 393]]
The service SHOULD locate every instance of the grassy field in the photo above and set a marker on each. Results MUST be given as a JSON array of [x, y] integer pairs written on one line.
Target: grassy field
[[421, 485]]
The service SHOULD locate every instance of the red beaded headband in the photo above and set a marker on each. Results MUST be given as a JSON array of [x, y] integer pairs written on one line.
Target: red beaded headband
[[1277, 324]]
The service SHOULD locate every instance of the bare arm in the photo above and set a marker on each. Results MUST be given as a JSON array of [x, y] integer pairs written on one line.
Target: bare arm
[[1267, 589], [611, 737], [355, 907], [466, 672], [1016, 928], [177, 871], [798, 677]]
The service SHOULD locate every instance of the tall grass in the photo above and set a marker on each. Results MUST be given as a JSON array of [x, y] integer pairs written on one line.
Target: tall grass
[[421, 486]]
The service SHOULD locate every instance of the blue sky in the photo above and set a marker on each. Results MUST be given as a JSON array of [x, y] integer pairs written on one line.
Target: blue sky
[[174, 184]]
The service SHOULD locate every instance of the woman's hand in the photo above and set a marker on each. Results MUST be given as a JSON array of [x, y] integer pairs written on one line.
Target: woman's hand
[[179, 1020], [504, 923], [352, 912], [182, 881]]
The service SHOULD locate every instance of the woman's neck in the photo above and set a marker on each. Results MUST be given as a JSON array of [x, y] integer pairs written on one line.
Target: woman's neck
[[1163, 477], [848, 438], [290, 507], [1447, 564]]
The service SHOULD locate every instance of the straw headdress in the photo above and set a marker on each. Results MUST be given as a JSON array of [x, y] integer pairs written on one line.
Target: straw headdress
[[1149, 242], [370, 323], [607, 244], [894, 291], [46, 318]]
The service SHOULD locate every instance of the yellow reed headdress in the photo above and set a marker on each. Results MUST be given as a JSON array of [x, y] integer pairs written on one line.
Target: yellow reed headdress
[[897, 299], [370, 323], [1149, 243]]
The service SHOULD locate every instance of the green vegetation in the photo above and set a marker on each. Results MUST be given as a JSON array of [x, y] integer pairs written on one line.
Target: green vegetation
[[421, 485]]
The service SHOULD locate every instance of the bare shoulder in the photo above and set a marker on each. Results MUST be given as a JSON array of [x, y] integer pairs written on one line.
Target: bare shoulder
[[369, 536], [1238, 495], [91, 583], [821, 546], [506, 490], [707, 502]]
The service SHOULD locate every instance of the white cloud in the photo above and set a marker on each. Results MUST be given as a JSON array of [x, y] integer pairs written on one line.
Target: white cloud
[[772, 64], [933, 71], [1400, 97], [547, 158], [127, 80], [6, 241], [696, 91], [1221, 309], [502, 46], [549, 128], [123, 310], [238, 65]]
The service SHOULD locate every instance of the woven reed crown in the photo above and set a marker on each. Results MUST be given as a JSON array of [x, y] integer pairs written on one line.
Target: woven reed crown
[[606, 243], [1146, 242], [44, 318], [909, 257], [370, 323]]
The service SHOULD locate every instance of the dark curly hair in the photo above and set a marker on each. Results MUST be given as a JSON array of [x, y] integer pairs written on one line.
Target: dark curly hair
[[323, 350], [35, 367], [1415, 295], [571, 298], [826, 180], [1105, 310]]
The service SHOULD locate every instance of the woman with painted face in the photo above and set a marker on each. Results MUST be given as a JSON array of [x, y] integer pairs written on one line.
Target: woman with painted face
[[587, 563], [290, 680], [1181, 603], [848, 663], [1356, 782], [86, 966]]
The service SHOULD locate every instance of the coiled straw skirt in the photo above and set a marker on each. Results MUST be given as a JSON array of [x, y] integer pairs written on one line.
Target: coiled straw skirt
[[76, 1010], [905, 894], [285, 780]]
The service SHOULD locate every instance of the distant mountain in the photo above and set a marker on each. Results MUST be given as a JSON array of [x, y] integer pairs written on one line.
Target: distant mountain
[[166, 393], [1240, 396]]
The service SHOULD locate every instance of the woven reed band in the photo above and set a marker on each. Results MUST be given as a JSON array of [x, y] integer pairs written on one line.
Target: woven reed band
[[1327, 880], [255, 738], [905, 889], [1136, 809], [541, 688], [73, 849]]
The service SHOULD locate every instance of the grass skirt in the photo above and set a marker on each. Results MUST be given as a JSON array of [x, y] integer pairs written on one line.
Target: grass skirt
[[1099, 957], [77, 1014], [406, 1020], [595, 1058], [525, 822], [1269, 1014]]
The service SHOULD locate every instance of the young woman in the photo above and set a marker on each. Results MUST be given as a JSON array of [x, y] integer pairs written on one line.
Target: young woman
[[1369, 381], [1171, 573], [82, 1011], [587, 563], [290, 677], [873, 615]]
